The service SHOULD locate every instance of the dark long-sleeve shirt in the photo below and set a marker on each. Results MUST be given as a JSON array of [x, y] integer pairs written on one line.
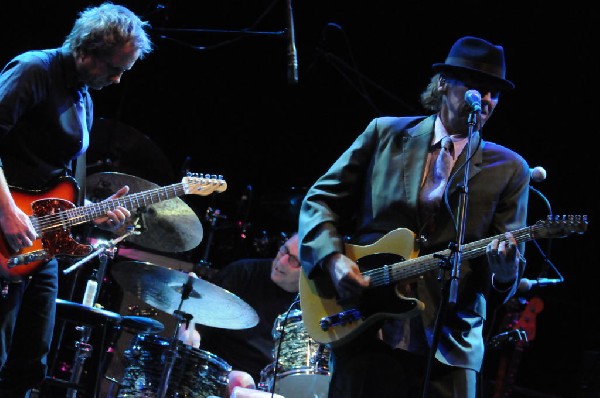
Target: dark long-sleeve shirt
[[41, 131]]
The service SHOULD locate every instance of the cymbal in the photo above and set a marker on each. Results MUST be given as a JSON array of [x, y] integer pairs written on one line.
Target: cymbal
[[167, 226], [76, 312], [130, 253], [115, 146], [162, 287]]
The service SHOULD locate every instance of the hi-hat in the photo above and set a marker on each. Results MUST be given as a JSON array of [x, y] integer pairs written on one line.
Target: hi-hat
[[167, 226], [162, 288]]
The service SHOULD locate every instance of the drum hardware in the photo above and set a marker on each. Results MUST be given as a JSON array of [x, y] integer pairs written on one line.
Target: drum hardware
[[186, 297], [161, 288], [101, 248], [83, 347], [171, 354], [212, 216], [86, 317]]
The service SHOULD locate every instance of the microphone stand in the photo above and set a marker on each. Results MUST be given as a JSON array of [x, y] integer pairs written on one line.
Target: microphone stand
[[462, 215], [449, 293]]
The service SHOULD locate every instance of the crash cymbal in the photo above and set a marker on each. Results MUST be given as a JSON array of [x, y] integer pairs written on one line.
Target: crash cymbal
[[115, 146], [167, 226], [162, 288]]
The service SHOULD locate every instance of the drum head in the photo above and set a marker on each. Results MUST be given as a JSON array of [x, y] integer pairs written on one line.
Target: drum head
[[303, 386]]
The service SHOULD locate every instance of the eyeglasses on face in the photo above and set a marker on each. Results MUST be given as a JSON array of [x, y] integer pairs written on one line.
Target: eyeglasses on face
[[471, 84], [292, 260]]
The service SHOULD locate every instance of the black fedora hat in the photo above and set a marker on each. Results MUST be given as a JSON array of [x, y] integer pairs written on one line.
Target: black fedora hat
[[478, 57]]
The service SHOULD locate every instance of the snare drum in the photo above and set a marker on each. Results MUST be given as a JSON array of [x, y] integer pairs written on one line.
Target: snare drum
[[195, 374], [301, 365]]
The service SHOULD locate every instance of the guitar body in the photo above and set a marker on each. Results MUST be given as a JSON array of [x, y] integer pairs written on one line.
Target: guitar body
[[58, 198], [53, 212], [390, 263], [318, 296]]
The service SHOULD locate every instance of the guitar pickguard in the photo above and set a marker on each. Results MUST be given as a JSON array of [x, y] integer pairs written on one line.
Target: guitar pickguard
[[58, 241]]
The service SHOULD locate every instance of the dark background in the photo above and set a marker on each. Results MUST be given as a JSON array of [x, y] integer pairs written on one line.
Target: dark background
[[215, 101]]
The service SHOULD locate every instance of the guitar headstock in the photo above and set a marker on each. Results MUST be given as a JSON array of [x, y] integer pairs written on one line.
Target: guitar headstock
[[560, 226], [526, 322], [204, 184]]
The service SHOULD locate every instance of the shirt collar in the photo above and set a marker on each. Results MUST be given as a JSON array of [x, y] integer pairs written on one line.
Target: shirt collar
[[439, 132], [68, 61]]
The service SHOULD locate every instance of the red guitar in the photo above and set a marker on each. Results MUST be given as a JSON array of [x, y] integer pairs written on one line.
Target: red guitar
[[53, 213], [507, 369]]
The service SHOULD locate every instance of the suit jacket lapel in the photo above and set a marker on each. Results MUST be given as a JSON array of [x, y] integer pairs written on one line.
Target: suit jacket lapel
[[416, 144], [474, 167]]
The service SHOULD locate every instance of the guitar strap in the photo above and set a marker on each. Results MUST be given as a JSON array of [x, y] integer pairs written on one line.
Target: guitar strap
[[80, 169]]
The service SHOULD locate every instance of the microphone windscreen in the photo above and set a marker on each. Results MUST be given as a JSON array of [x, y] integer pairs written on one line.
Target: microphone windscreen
[[538, 174]]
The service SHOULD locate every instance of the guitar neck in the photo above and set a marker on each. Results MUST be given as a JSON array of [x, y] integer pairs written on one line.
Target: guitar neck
[[412, 268], [83, 214]]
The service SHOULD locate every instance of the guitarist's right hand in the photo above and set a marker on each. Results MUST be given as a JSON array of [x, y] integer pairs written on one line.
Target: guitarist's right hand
[[16, 225], [346, 276], [18, 230]]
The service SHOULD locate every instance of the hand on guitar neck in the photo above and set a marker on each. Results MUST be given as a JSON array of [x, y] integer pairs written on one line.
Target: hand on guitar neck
[[36, 225], [114, 219], [386, 263]]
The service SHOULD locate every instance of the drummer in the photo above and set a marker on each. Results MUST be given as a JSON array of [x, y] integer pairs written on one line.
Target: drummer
[[270, 286]]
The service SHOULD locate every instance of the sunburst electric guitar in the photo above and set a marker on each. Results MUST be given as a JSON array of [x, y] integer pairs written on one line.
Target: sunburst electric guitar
[[390, 260], [53, 213]]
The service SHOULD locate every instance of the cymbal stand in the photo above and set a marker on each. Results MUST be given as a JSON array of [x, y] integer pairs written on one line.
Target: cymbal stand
[[212, 216], [83, 347], [171, 354]]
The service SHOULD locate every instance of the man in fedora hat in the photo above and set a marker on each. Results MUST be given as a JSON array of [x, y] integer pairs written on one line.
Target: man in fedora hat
[[380, 184]]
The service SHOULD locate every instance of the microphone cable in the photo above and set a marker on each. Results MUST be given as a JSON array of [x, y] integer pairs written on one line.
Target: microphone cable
[[280, 341]]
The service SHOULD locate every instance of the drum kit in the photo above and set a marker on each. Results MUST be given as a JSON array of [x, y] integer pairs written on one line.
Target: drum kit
[[155, 365], [300, 367]]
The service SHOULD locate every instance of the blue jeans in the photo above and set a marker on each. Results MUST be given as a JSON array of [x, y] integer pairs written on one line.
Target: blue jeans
[[27, 317]]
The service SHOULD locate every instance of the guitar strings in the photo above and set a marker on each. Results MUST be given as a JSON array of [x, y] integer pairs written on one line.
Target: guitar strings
[[414, 267], [79, 215]]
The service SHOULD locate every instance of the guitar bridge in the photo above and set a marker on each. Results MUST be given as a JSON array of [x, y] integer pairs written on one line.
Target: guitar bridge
[[27, 258], [341, 318]]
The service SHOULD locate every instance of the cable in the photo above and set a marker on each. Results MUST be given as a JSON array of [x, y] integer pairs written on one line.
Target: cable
[[280, 341]]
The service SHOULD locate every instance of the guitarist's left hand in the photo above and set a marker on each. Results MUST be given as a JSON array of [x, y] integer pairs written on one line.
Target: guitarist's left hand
[[116, 218], [503, 258]]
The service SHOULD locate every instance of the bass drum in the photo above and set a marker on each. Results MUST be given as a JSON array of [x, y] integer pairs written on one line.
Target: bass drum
[[301, 365]]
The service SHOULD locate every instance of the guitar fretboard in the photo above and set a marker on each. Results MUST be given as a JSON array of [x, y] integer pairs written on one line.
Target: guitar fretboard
[[83, 214]]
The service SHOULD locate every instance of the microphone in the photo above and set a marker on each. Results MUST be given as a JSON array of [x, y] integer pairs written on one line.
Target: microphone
[[537, 174], [292, 67], [473, 99], [526, 285]]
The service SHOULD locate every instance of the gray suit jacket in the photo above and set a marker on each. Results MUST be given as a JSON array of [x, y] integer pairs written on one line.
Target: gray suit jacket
[[373, 188]]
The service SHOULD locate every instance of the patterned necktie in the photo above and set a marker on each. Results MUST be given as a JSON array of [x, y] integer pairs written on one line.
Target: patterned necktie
[[437, 178]]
